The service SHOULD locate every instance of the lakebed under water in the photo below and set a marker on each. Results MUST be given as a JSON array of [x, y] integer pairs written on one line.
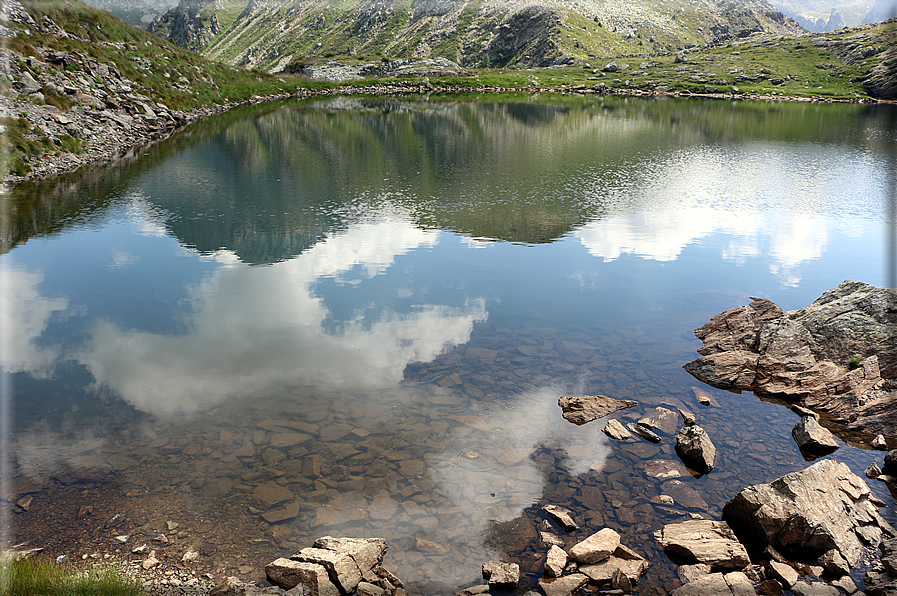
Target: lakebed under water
[[354, 317]]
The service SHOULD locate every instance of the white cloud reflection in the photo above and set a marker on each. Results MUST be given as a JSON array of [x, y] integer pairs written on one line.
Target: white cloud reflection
[[255, 326], [24, 316], [769, 208]]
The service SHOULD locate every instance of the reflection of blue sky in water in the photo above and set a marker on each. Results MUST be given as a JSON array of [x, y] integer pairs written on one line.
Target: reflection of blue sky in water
[[250, 327], [756, 197]]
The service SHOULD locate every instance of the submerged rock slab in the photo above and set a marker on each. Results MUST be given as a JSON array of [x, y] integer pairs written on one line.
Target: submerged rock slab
[[586, 408], [837, 355], [808, 513]]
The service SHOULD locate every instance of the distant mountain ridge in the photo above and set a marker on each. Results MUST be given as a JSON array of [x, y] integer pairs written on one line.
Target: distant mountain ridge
[[819, 16], [273, 34]]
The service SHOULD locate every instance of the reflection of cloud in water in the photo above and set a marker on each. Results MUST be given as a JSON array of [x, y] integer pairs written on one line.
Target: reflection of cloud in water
[[771, 209], [24, 315], [254, 326], [495, 476]]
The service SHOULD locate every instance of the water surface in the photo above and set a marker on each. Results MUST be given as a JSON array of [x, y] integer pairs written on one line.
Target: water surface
[[360, 313]]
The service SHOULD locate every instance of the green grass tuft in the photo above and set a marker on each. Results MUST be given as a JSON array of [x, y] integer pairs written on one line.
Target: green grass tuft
[[39, 576]]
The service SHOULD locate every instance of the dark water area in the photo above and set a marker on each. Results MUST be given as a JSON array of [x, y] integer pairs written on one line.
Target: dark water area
[[358, 314]]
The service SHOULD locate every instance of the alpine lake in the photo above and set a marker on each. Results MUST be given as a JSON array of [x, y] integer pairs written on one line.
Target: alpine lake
[[354, 317]]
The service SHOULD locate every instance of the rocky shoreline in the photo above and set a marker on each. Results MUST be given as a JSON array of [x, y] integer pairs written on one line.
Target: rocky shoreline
[[112, 135]]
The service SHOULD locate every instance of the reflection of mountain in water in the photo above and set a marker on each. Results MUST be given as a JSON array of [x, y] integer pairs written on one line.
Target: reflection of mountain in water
[[269, 186]]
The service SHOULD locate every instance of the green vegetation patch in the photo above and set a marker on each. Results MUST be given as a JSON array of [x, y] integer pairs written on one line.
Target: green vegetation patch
[[38, 576]]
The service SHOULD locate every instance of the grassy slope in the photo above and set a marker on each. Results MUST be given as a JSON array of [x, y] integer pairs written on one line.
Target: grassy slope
[[209, 82]]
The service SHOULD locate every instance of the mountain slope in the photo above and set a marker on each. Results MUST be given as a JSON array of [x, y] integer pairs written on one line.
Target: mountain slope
[[271, 34]]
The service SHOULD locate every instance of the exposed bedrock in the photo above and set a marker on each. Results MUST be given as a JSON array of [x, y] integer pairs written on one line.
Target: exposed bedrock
[[837, 355]]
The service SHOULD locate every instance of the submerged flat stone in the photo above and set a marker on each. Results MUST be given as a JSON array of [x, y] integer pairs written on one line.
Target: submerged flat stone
[[582, 409]]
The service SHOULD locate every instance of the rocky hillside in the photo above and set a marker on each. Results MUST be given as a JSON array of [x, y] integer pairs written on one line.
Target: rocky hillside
[[272, 34], [79, 86]]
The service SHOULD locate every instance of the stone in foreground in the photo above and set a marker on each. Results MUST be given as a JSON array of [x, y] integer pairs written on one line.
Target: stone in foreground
[[311, 577], [597, 547], [501, 576], [340, 566], [615, 430], [717, 584], [695, 449], [813, 437], [582, 409], [809, 355], [623, 560], [805, 514], [703, 541], [555, 561], [564, 586], [366, 552]]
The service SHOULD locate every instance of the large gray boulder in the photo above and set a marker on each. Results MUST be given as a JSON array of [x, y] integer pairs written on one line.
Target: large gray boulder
[[805, 514], [837, 355]]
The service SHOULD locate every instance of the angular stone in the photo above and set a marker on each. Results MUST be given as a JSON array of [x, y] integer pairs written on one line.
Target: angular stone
[[803, 588], [688, 419], [549, 538], [582, 409], [695, 448], [564, 586], [562, 516], [340, 566], [873, 471], [367, 553], [846, 584], [717, 584], [366, 589], [643, 431], [597, 547], [807, 513], [689, 573], [501, 576], [661, 419], [615, 430], [620, 581], [813, 437], [809, 355], [555, 561], [880, 443], [783, 572], [624, 560], [834, 564], [703, 541], [311, 577]]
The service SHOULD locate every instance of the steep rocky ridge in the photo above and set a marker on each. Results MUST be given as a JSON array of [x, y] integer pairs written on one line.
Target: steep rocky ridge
[[275, 33]]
